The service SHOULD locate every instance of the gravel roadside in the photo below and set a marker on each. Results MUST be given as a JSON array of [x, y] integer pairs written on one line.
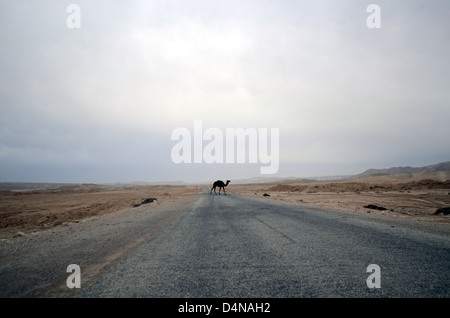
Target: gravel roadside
[[35, 265]]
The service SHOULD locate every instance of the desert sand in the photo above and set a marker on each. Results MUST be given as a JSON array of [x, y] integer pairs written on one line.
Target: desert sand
[[26, 211], [415, 196]]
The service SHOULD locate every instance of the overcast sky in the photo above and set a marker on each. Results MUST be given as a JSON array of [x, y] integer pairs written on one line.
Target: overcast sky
[[99, 103]]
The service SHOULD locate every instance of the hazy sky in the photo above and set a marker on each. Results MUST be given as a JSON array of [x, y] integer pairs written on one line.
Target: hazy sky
[[99, 103]]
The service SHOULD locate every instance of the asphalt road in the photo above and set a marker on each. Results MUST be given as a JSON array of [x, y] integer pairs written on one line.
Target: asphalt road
[[230, 246]]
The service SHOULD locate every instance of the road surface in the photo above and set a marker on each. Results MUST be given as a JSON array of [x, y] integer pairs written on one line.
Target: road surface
[[232, 246], [229, 246]]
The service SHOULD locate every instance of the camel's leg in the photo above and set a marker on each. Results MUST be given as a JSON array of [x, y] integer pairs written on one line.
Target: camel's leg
[[224, 191]]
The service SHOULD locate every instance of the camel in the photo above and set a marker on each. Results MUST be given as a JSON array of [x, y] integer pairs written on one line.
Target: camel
[[220, 184]]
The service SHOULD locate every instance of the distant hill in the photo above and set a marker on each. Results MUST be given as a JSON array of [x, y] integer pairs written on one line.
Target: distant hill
[[442, 166], [7, 186]]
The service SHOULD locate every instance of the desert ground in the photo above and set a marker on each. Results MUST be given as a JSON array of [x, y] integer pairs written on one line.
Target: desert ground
[[416, 196], [26, 211]]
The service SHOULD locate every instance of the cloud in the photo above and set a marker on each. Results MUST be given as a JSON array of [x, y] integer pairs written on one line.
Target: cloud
[[107, 96]]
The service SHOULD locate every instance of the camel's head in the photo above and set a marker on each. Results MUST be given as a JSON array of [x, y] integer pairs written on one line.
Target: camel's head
[[228, 181]]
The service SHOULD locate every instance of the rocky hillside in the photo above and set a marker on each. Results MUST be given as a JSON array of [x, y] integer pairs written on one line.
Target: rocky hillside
[[443, 166]]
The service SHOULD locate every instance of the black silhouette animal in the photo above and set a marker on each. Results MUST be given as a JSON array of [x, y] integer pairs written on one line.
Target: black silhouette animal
[[221, 185]]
